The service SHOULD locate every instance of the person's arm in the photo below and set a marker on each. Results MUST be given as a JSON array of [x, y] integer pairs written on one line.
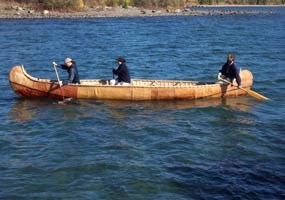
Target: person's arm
[[114, 71], [238, 79], [221, 71], [71, 75], [237, 76], [118, 71], [63, 66]]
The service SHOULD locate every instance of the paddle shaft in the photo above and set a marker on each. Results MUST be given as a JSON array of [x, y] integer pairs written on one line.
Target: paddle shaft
[[232, 84], [249, 91], [58, 80]]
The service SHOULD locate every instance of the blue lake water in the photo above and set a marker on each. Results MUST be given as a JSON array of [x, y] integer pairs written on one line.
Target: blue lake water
[[232, 148]]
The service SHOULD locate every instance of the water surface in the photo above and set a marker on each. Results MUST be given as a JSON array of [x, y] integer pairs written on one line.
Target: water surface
[[229, 148]]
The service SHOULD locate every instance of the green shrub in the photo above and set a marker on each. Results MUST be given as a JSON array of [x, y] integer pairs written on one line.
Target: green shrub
[[112, 3], [126, 4], [62, 4]]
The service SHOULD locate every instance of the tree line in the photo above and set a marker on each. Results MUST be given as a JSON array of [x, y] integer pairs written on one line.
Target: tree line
[[75, 4]]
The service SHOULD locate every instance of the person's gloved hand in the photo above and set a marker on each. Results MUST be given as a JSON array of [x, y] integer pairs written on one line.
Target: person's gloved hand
[[54, 63], [219, 77], [60, 83]]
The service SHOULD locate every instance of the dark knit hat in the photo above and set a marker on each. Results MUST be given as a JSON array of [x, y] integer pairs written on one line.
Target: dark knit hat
[[121, 59]]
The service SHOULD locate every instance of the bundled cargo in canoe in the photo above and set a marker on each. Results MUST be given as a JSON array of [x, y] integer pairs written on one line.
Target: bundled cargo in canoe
[[139, 89]]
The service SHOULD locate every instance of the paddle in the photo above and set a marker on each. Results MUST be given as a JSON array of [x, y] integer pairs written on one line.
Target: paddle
[[54, 65], [249, 91]]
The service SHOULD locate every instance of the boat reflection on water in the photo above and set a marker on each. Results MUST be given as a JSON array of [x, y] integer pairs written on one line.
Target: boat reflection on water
[[27, 109], [238, 104], [128, 109]]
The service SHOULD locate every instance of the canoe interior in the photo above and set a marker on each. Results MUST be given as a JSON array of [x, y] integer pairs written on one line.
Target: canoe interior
[[134, 82]]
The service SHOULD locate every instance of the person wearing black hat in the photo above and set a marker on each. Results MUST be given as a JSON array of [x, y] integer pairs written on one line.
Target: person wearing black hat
[[122, 72]]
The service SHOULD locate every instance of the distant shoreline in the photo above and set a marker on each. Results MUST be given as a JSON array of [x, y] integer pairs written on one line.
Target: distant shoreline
[[17, 12]]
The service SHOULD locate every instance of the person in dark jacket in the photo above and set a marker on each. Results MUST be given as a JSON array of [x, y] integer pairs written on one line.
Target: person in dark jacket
[[71, 67], [230, 71], [122, 72]]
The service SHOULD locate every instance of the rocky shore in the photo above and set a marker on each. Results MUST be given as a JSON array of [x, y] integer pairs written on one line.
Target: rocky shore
[[93, 12]]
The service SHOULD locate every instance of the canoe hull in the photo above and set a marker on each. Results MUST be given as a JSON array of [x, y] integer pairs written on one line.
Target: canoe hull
[[25, 85]]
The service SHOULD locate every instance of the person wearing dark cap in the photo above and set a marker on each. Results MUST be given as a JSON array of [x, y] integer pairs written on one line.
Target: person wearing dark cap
[[122, 72], [230, 71], [71, 67]]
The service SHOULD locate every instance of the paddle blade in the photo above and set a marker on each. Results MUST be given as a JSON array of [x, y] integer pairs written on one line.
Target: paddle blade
[[65, 101], [250, 92], [256, 95]]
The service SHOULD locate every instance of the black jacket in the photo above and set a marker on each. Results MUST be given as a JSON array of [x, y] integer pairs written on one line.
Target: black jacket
[[230, 71], [123, 73], [73, 76]]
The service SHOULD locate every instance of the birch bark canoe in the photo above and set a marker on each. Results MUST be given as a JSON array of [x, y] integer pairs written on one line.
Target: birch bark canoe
[[139, 89]]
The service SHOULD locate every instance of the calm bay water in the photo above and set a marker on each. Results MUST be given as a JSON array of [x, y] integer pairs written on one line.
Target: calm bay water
[[202, 149]]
